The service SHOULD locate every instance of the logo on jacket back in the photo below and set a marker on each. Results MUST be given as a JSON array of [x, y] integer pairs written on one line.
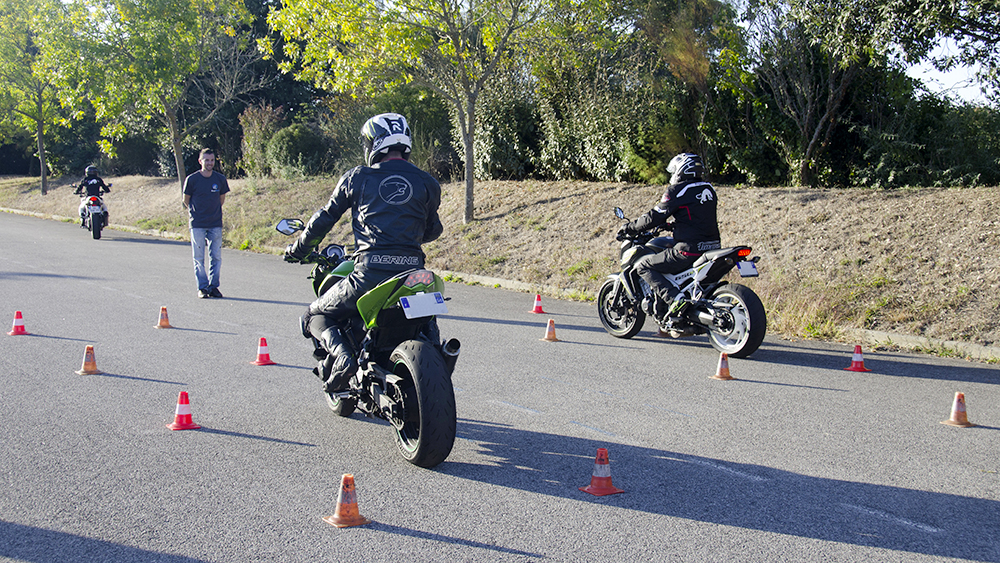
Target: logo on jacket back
[[705, 196], [395, 190]]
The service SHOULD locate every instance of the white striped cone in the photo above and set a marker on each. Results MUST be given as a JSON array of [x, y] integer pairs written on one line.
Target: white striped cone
[[263, 357], [18, 328], [600, 481], [182, 416], [857, 361]]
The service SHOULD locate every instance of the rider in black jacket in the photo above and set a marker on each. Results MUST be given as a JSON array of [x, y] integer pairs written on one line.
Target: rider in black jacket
[[94, 186], [394, 209], [692, 203]]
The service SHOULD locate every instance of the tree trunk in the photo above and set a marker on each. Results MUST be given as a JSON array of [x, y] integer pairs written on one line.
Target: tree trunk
[[468, 138], [41, 157], [177, 144]]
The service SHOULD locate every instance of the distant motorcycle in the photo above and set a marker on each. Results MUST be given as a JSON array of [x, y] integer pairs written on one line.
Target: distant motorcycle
[[93, 216], [731, 313], [404, 374]]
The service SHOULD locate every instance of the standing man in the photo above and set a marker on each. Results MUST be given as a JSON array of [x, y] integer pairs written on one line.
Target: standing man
[[204, 193]]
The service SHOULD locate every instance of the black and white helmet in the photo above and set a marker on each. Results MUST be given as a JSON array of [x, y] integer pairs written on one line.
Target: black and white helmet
[[685, 167], [91, 171], [385, 132]]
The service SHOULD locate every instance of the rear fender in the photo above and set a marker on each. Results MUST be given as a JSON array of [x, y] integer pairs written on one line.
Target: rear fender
[[387, 294]]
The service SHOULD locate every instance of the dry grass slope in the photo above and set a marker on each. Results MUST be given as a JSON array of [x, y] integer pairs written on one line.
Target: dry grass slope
[[917, 262]]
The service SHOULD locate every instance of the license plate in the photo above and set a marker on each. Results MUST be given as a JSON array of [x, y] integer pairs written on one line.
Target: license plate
[[423, 305], [747, 269]]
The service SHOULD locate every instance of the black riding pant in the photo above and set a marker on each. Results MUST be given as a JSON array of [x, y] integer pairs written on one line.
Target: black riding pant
[[653, 268]]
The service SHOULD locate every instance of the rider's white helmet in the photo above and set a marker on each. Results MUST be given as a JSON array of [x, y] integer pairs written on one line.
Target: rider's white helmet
[[385, 132]]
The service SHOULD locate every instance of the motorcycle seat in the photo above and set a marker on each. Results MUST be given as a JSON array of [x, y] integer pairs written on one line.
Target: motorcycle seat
[[712, 255]]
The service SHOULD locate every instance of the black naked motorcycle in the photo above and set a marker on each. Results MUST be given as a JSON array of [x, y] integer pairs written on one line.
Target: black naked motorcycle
[[404, 374], [730, 313]]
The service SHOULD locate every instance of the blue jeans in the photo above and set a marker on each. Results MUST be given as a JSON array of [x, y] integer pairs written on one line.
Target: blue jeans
[[213, 238]]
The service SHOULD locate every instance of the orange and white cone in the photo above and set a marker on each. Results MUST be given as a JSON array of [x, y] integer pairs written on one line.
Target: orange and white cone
[[18, 329], [263, 357], [600, 481], [722, 372], [538, 304], [550, 332], [857, 361], [164, 321], [958, 414], [89, 362], [182, 416], [346, 514]]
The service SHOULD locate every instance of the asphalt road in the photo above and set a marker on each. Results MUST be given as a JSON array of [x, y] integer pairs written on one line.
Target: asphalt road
[[796, 460]]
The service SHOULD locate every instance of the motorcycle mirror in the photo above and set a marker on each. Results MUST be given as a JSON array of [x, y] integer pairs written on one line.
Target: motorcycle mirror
[[289, 226], [619, 213]]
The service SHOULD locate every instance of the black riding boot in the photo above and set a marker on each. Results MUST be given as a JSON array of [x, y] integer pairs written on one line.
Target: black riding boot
[[340, 365]]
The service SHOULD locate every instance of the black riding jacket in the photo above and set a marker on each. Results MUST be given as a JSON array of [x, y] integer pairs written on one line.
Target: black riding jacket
[[693, 207], [94, 185], [394, 209]]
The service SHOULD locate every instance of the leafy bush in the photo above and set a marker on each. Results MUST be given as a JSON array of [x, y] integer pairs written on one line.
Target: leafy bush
[[259, 124], [296, 150], [507, 132]]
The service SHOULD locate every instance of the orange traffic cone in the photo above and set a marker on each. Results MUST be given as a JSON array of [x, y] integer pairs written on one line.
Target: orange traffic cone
[[18, 329], [600, 481], [958, 415], [538, 304], [550, 332], [857, 361], [164, 320], [347, 514], [182, 416], [722, 372], [89, 363], [263, 358]]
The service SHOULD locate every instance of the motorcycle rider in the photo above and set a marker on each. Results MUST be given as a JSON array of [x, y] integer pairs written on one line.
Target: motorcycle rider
[[394, 209], [95, 186], [692, 203]]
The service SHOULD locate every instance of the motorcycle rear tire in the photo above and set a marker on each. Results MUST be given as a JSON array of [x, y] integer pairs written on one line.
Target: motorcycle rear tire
[[748, 312], [96, 222], [428, 433], [625, 321]]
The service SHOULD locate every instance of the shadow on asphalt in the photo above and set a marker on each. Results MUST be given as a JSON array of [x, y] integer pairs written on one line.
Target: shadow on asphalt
[[38, 545], [779, 352], [753, 497]]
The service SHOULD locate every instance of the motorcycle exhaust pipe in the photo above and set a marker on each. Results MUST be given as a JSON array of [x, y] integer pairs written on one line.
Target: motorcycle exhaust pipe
[[702, 317], [450, 351]]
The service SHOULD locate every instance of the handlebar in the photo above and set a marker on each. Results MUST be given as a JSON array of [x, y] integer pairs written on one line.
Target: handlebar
[[645, 234]]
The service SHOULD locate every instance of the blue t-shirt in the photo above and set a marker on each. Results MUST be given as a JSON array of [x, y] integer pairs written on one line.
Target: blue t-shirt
[[206, 205]]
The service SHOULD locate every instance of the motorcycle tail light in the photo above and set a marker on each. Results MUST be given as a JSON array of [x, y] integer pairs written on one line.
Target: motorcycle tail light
[[744, 252], [421, 277], [93, 200]]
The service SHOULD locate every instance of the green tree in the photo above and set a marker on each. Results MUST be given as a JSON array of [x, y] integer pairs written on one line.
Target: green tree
[[783, 63], [451, 48], [29, 81], [852, 30], [179, 61]]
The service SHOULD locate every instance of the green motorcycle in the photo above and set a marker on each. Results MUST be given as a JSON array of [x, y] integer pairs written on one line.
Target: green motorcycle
[[404, 374]]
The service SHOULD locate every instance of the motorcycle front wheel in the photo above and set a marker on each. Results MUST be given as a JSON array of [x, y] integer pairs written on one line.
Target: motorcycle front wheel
[[621, 320], [740, 322], [428, 431]]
